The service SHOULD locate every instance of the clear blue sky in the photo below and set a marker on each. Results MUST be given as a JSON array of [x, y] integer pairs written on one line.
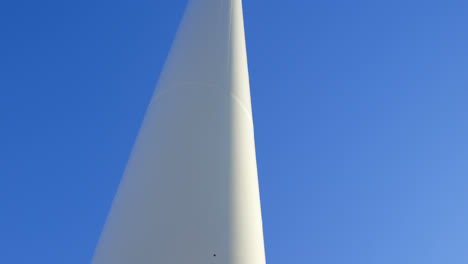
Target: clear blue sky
[[360, 111]]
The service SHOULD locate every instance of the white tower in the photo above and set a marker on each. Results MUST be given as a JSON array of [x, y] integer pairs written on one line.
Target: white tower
[[189, 194]]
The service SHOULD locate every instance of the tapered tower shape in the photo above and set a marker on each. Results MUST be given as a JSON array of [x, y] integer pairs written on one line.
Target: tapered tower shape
[[189, 194]]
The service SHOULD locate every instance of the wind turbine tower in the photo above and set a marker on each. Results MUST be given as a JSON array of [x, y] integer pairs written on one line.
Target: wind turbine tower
[[189, 194]]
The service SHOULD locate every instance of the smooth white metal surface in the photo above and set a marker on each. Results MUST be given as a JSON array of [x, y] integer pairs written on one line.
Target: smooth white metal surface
[[189, 194]]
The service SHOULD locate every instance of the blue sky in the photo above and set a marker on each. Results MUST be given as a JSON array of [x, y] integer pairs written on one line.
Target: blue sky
[[360, 111]]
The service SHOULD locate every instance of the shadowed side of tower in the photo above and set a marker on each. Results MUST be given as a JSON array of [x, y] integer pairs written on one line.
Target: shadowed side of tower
[[190, 192]]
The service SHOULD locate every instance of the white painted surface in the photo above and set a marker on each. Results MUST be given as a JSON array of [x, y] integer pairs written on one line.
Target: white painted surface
[[189, 194]]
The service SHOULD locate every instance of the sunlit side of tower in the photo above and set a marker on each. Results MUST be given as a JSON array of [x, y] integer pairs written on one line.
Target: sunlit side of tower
[[189, 194]]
